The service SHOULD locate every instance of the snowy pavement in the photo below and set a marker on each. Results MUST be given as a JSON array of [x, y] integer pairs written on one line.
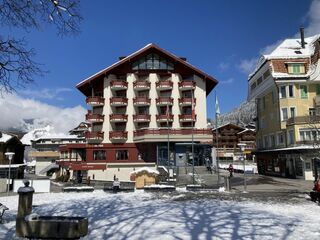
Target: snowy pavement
[[181, 215]]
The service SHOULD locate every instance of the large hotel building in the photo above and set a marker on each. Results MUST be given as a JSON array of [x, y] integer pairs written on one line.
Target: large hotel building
[[138, 105]]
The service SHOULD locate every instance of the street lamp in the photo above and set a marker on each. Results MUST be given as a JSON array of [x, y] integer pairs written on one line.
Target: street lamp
[[10, 156], [242, 148]]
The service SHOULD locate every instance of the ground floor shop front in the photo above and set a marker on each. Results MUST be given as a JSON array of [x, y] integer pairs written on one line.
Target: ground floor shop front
[[290, 163], [107, 161]]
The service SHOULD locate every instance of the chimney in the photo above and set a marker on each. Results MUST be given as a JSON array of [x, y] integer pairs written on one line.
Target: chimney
[[302, 37]]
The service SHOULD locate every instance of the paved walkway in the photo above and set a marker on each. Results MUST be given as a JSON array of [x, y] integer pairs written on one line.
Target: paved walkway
[[260, 183]]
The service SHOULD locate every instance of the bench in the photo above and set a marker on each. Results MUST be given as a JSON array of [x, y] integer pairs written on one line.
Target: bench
[[3, 208]]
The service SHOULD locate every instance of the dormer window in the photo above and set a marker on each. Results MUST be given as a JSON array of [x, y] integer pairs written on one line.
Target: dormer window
[[296, 68]]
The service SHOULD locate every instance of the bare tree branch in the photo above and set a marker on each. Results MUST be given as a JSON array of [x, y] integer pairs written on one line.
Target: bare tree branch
[[16, 65], [17, 68]]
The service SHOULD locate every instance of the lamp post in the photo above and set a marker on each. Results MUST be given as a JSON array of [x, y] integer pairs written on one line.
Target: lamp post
[[10, 156], [242, 147]]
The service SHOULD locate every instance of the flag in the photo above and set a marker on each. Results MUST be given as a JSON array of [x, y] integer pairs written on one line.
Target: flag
[[217, 107]]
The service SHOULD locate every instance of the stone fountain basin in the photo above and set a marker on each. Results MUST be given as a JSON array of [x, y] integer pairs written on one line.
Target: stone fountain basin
[[56, 227]]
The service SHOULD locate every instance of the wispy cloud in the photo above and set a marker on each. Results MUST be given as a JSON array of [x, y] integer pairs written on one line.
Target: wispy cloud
[[247, 66], [223, 66], [14, 109], [45, 93], [228, 81]]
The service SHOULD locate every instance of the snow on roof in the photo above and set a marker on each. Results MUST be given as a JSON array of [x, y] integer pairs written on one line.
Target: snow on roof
[[5, 138], [11, 165], [44, 133], [303, 147], [289, 49], [247, 129], [145, 169]]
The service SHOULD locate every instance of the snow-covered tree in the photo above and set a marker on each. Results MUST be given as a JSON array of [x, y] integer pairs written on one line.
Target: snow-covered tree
[[17, 67]]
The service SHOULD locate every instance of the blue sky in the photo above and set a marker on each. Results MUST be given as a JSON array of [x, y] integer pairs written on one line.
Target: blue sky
[[222, 38]]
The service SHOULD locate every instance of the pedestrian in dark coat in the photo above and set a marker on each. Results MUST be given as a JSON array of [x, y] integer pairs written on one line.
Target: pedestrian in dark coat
[[230, 169]]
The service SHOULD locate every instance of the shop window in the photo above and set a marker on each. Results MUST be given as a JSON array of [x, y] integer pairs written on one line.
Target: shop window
[[99, 155], [122, 155]]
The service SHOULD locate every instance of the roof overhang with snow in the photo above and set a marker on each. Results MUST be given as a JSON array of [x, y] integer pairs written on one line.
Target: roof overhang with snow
[[123, 66]]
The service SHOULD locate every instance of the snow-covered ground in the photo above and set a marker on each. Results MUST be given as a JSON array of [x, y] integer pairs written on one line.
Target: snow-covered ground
[[140, 215]]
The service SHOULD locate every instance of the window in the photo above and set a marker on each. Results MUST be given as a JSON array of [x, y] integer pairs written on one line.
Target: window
[[273, 141], [283, 92], [259, 81], [280, 138], [290, 137], [266, 141], [122, 155], [284, 114], [308, 134], [312, 112], [266, 74], [303, 91], [253, 86], [318, 89], [99, 155], [152, 61], [296, 68], [292, 112], [290, 91]]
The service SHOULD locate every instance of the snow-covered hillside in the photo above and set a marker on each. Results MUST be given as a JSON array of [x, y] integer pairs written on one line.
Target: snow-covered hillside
[[242, 116]]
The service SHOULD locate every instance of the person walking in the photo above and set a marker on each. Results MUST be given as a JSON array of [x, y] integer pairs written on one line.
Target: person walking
[[230, 169]]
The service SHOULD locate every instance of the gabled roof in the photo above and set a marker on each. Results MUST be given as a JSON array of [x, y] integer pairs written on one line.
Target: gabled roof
[[229, 124], [136, 55]]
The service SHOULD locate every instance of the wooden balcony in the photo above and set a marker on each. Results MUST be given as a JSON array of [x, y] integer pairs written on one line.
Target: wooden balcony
[[118, 135], [94, 137], [164, 118], [303, 120], [163, 101], [95, 101], [118, 101], [186, 85], [141, 85], [186, 101], [141, 101], [118, 84], [118, 117], [141, 118], [187, 118], [164, 85], [93, 118]]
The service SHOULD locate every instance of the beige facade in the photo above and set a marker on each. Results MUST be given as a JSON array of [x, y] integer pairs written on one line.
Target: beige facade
[[287, 93]]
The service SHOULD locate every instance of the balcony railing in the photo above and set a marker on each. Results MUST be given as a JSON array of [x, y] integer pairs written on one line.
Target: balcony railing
[[95, 101], [303, 120], [165, 84], [186, 101], [118, 135], [118, 101], [141, 85], [143, 132], [118, 117], [165, 117], [141, 101], [94, 136], [187, 85], [164, 101], [141, 118], [118, 84], [187, 117], [91, 117]]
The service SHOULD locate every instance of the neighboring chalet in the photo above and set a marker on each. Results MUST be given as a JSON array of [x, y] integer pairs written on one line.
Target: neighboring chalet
[[137, 105], [286, 87], [11, 143], [45, 151], [80, 130], [229, 136]]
